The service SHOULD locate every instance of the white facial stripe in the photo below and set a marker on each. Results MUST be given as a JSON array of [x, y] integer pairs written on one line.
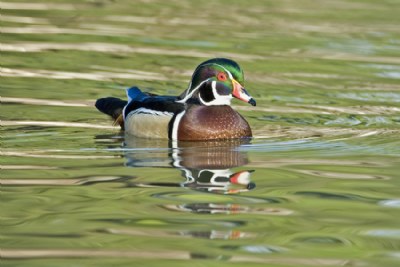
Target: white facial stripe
[[123, 111], [192, 92], [187, 91], [214, 89], [175, 126]]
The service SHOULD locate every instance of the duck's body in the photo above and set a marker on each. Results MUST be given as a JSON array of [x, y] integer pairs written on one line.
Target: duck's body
[[202, 112]]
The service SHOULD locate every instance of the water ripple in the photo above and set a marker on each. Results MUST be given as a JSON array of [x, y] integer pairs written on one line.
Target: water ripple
[[337, 196], [333, 147], [96, 76], [320, 240], [111, 48]]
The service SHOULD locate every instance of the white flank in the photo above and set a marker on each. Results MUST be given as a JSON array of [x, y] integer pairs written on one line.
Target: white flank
[[148, 123], [175, 126], [150, 112]]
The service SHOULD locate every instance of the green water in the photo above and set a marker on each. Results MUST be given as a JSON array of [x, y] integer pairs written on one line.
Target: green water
[[321, 184]]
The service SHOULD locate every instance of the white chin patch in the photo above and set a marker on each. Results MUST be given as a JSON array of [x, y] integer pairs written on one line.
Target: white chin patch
[[219, 99]]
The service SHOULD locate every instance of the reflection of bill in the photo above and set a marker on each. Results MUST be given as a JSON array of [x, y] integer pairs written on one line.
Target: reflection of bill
[[206, 166], [218, 181]]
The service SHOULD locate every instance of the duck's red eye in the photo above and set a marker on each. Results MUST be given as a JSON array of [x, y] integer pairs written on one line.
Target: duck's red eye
[[221, 76]]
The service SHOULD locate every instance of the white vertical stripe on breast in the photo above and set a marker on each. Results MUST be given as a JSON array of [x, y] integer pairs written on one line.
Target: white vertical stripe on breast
[[175, 126]]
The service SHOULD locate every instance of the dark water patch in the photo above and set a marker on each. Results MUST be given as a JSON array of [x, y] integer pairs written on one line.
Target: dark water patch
[[322, 240], [48, 235]]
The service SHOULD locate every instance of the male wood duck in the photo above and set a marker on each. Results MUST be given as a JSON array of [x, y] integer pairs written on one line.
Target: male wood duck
[[201, 112]]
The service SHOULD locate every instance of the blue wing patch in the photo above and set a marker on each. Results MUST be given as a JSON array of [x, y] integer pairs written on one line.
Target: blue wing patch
[[134, 93]]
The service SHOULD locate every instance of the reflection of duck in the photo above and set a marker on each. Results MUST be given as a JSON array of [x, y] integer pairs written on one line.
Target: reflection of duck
[[206, 166], [218, 181], [201, 112]]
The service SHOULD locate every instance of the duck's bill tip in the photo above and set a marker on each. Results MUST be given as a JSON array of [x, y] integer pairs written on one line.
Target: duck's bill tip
[[252, 102]]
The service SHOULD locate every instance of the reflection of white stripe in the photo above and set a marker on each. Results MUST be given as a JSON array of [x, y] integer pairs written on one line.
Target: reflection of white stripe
[[175, 125], [175, 154], [214, 89]]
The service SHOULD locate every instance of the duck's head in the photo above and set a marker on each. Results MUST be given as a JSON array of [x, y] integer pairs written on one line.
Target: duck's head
[[215, 82]]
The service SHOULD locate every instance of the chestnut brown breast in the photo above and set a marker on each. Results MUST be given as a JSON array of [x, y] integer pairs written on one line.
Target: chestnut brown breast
[[212, 122]]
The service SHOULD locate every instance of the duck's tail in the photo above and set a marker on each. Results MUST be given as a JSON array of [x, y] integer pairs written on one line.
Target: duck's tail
[[112, 106]]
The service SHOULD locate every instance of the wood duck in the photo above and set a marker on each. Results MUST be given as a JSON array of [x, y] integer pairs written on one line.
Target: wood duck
[[201, 112]]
